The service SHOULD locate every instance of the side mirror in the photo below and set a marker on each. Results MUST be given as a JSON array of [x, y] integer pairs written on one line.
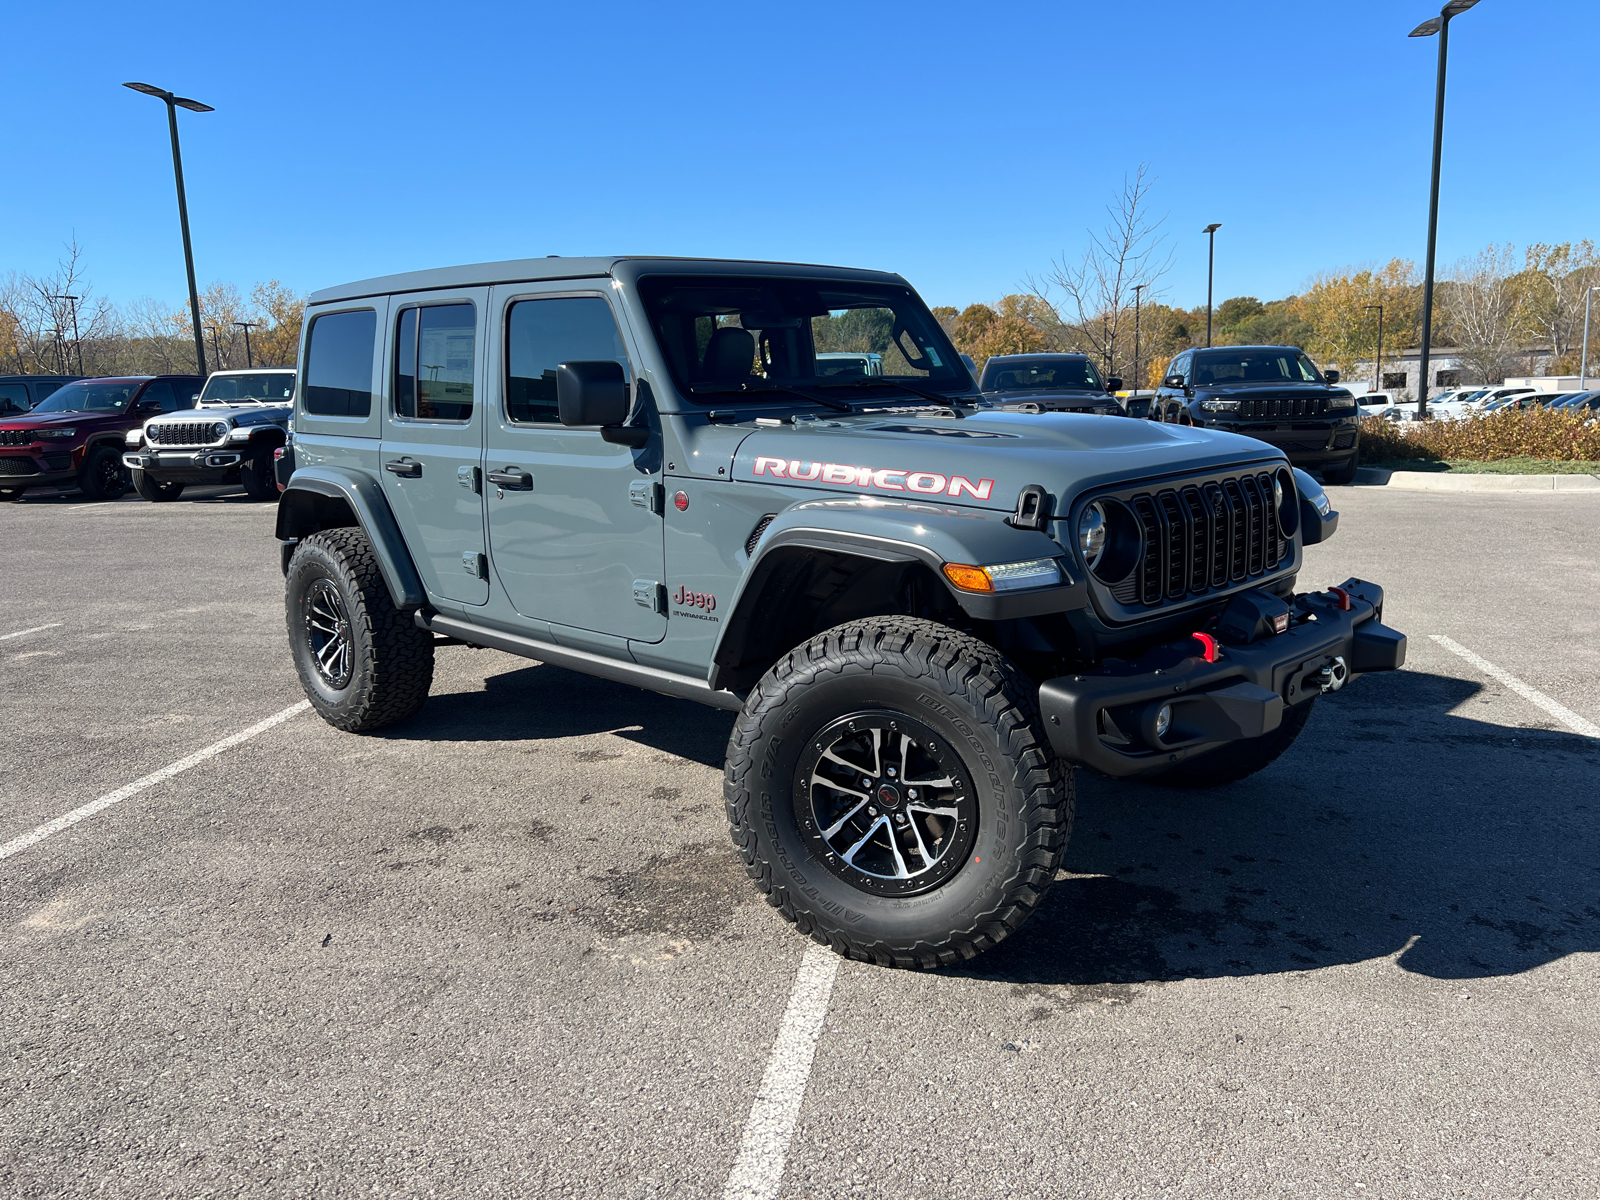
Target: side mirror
[[1114, 384], [1331, 376], [596, 393], [1172, 381]]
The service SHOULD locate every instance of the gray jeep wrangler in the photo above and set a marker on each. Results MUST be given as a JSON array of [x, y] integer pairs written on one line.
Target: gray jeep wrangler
[[240, 418], [924, 611]]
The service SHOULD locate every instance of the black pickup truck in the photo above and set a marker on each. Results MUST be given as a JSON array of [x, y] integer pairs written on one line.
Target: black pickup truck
[[1272, 393]]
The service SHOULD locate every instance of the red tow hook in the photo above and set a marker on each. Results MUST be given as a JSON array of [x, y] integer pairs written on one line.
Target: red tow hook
[[1208, 646], [1342, 596]]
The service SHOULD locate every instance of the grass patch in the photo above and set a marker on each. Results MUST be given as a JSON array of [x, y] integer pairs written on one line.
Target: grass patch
[[1521, 465]]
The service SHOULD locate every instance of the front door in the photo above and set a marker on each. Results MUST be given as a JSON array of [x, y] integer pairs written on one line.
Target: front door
[[575, 526], [433, 439]]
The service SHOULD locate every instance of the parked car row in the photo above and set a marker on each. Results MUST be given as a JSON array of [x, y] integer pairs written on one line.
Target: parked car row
[[152, 433], [1464, 402]]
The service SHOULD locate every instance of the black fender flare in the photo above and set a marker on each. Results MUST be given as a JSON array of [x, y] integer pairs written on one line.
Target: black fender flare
[[322, 497]]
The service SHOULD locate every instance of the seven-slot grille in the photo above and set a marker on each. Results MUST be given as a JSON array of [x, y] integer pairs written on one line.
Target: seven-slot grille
[[1202, 537], [1283, 408], [181, 433], [18, 437]]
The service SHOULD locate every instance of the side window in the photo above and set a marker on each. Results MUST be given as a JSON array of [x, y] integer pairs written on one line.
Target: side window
[[433, 363], [160, 393], [543, 334], [13, 398], [339, 364]]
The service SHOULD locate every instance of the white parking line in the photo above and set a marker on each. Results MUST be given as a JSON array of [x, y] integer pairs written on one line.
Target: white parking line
[[764, 1149], [34, 837], [1559, 711], [6, 637]]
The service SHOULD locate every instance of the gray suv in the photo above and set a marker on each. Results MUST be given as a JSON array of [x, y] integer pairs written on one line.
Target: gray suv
[[924, 612]]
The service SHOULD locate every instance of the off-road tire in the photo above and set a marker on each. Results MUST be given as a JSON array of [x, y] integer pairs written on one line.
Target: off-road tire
[[1238, 760], [102, 477], [258, 476], [1343, 474], [983, 708], [154, 489], [7, 495], [391, 667]]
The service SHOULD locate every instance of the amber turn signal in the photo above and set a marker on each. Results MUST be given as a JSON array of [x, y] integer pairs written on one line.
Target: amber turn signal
[[968, 579]]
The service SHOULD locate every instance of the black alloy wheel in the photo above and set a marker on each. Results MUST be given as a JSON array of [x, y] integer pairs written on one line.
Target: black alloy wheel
[[328, 632], [103, 477], [885, 803]]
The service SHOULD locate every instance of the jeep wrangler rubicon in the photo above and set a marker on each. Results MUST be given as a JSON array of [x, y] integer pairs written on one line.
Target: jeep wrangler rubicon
[[923, 613]]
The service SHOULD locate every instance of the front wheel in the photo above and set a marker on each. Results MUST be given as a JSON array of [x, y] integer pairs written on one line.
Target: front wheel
[[362, 662], [259, 476], [1239, 760], [103, 477], [891, 792], [154, 489]]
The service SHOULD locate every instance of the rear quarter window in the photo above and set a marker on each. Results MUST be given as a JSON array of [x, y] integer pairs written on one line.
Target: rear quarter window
[[338, 370]]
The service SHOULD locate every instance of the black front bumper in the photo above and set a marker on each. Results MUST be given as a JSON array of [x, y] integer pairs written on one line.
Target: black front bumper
[[1314, 443], [1107, 720]]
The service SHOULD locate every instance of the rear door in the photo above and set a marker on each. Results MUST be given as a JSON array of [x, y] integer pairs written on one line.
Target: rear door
[[433, 437], [575, 521]]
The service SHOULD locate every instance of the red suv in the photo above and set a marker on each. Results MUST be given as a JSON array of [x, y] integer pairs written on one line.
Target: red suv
[[74, 437]]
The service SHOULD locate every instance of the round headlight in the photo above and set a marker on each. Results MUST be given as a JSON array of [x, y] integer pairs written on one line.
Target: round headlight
[[219, 430], [1277, 491], [1092, 534]]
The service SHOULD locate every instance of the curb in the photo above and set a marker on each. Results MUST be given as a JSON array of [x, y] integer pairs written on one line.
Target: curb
[[1429, 481]]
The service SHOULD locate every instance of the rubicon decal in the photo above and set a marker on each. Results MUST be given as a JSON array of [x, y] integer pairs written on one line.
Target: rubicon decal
[[926, 483]]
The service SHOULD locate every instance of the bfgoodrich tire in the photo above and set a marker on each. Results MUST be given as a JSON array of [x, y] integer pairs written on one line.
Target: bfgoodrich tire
[[362, 662], [1239, 760], [154, 489], [891, 792]]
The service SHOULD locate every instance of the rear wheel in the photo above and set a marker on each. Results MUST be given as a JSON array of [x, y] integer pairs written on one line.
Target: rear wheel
[[891, 792], [154, 489], [1238, 760], [362, 662], [259, 476], [103, 477]]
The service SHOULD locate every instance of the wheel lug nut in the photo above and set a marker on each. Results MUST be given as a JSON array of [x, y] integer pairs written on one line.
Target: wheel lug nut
[[872, 812], [866, 783]]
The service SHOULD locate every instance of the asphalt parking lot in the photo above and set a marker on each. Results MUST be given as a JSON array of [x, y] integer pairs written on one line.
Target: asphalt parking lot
[[505, 947]]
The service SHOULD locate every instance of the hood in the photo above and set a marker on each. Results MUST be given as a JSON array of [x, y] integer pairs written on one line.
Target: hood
[[1272, 391], [982, 461], [1039, 393], [236, 414], [49, 419]]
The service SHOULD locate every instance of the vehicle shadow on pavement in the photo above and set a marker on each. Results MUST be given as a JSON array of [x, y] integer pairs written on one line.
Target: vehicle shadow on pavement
[[540, 701], [1398, 825]]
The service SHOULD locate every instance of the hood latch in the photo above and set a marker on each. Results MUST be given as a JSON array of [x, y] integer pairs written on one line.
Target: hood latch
[[1033, 508]]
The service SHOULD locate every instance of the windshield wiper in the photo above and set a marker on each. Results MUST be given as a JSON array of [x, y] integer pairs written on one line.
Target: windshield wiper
[[938, 398], [744, 389]]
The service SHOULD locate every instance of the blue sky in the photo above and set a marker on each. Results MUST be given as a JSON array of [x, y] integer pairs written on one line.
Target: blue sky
[[961, 145]]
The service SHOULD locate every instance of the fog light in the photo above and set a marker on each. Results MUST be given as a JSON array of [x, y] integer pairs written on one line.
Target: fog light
[[1163, 720]]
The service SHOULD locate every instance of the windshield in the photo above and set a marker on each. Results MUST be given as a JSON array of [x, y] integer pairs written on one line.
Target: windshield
[[262, 387], [1066, 372], [1254, 366], [747, 333], [89, 397]]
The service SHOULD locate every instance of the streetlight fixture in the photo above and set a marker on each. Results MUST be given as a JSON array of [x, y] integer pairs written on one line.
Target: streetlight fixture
[[1583, 371], [1211, 263], [216, 353], [247, 326], [1137, 288], [77, 346], [173, 103], [1377, 367], [1441, 26]]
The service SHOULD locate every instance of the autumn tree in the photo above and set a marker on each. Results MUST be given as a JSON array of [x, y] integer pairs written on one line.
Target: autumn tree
[[1339, 325], [1017, 324], [1550, 291], [1483, 314]]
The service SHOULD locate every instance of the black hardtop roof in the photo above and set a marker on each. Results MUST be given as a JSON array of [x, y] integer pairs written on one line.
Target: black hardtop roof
[[1233, 349], [39, 378], [519, 270]]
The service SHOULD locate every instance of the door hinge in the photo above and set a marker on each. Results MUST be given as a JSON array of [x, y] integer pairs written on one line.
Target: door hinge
[[475, 563], [470, 478], [646, 493], [647, 593]]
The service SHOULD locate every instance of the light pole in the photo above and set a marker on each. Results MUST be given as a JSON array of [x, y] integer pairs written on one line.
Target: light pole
[[1377, 367], [216, 354], [1441, 26], [77, 346], [1211, 263], [1137, 288], [173, 103], [247, 326], [1583, 371]]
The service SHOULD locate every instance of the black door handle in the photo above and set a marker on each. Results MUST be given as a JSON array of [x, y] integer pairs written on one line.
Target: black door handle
[[404, 467], [512, 478]]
